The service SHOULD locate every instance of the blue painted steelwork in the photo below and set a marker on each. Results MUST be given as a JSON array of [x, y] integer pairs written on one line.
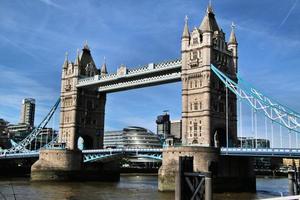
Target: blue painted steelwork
[[101, 154], [260, 152], [276, 112], [21, 147]]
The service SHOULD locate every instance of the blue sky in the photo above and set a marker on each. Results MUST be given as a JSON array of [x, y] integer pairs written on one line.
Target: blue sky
[[34, 36]]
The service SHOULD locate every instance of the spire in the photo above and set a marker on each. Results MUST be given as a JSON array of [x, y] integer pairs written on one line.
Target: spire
[[186, 33], [103, 68], [209, 22], [209, 7], [66, 62], [77, 60], [86, 46], [232, 38]]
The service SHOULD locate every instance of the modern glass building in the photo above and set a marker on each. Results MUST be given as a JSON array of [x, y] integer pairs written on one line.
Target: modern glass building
[[131, 137], [134, 137]]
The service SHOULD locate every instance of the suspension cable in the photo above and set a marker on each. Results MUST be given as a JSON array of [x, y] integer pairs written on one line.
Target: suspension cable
[[280, 133], [296, 140], [255, 122], [266, 131], [240, 122], [252, 124], [227, 138], [290, 139], [272, 132]]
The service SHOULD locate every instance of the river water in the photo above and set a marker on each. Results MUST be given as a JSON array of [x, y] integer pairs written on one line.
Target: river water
[[133, 187]]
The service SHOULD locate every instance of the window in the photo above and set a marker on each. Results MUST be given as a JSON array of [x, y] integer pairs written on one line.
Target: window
[[191, 84], [194, 55], [195, 128], [196, 106], [200, 105], [195, 40], [200, 128], [196, 84], [191, 106]]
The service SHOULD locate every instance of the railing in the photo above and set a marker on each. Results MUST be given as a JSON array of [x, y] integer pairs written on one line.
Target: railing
[[260, 152], [131, 72], [154, 79]]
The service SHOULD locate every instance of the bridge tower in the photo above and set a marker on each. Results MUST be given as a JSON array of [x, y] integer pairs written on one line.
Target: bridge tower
[[82, 110], [203, 95], [209, 110], [81, 115]]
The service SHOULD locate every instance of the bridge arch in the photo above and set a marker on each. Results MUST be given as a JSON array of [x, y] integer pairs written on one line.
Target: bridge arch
[[219, 137], [85, 142]]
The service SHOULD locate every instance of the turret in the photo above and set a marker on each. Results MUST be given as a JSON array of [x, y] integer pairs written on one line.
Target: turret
[[208, 27], [77, 59], [232, 46], [103, 68], [66, 62], [185, 39]]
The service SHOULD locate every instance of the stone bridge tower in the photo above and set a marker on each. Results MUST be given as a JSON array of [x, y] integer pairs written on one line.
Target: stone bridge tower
[[204, 118], [82, 110], [203, 95], [82, 115]]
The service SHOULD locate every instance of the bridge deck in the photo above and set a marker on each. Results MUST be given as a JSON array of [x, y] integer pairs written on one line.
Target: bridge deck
[[246, 152], [150, 75]]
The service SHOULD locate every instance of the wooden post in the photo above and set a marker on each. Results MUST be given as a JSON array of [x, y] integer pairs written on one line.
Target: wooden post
[[291, 182], [208, 186]]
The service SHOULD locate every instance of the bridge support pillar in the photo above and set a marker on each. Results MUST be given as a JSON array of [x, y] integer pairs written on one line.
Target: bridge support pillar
[[233, 174], [57, 164], [204, 157]]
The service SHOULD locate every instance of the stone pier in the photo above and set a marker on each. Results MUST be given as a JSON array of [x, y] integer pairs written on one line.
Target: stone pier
[[228, 173], [57, 164], [66, 165]]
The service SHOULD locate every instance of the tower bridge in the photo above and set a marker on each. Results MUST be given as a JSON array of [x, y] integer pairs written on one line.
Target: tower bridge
[[211, 89]]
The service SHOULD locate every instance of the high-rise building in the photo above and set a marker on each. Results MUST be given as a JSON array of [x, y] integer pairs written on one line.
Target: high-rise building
[[163, 125], [175, 129], [27, 112], [3, 127]]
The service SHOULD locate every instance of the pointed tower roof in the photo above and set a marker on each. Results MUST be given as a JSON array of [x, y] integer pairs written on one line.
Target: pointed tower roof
[[103, 68], [186, 32], [77, 60], [66, 62], [232, 38], [86, 46], [209, 22]]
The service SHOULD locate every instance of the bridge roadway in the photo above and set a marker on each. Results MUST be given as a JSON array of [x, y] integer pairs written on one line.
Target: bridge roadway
[[125, 79], [99, 154]]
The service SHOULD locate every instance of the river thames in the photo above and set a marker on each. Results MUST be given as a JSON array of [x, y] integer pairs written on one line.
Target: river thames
[[133, 187]]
